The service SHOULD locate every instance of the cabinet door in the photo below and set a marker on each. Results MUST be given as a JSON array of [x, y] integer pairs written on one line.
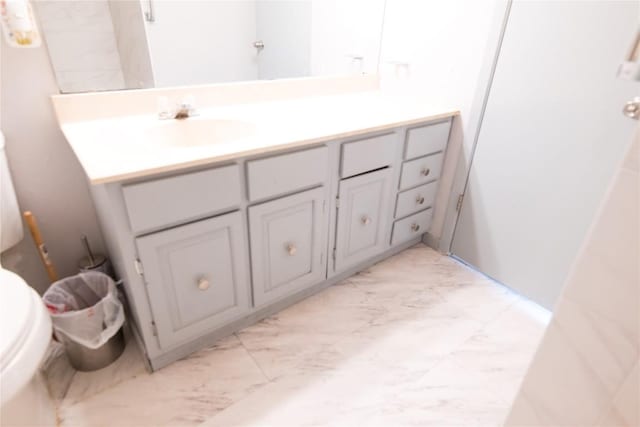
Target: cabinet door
[[363, 217], [287, 245], [196, 276]]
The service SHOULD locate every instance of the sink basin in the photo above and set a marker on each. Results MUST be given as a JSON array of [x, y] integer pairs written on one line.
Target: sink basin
[[195, 131]]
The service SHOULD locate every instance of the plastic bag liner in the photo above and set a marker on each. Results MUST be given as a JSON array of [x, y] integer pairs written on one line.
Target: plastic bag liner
[[85, 308]]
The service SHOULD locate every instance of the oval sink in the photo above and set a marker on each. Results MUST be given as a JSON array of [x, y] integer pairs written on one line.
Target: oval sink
[[194, 131]]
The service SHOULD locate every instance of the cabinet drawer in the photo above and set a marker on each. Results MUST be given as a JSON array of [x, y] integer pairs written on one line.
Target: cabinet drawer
[[196, 277], [363, 217], [412, 226], [169, 201], [287, 245], [420, 171], [416, 199], [367, 154], [287, 173], [427, 139]]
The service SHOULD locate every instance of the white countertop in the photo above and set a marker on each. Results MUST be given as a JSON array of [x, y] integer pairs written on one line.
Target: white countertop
[[120, 148]]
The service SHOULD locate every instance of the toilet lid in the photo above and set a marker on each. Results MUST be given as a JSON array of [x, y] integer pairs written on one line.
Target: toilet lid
[[25, 331]]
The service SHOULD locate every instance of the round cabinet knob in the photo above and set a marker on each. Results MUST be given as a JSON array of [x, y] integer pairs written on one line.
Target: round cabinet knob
[[419, 200], [291, 249], [425, 171], [203, 284], [632, 108], [365, 220], [415, 227]]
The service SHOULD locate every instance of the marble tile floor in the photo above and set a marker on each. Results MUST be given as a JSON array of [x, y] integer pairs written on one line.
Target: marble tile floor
[[418, 339]]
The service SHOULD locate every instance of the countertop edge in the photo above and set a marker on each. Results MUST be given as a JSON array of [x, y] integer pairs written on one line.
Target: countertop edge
[[175, 167]]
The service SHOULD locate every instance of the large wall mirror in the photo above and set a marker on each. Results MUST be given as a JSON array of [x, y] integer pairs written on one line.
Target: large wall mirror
[[99, 45]]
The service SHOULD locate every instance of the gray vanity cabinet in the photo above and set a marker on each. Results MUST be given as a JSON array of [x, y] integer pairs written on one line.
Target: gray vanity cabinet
[[363, 214], [423, 159], [288, 238], [197, 277], [212, 249]]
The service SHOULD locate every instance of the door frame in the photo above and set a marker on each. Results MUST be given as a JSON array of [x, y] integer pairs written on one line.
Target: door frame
[[473, 126], [462, 178]]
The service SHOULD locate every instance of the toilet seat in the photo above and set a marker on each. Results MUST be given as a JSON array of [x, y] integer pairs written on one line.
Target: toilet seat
[[25, 333]]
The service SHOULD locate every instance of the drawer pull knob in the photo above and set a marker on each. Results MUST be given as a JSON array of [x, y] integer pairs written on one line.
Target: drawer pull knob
[[291, 249], [415, 227], [420, 200], [365, 220], [425, 171], [203, 284]]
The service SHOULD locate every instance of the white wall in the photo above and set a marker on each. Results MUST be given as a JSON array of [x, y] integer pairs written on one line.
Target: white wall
[[48, 179], [443, 44], [341, 29], [198, 42], [82, 44]]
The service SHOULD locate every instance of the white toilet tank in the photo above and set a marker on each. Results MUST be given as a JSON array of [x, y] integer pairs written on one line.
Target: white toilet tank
[[10, 221]]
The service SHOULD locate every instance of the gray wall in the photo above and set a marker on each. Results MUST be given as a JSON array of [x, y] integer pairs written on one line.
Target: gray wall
[[48, 178]]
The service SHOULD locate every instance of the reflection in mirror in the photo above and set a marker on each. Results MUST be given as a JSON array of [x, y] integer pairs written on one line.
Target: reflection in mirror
[[129, 44]]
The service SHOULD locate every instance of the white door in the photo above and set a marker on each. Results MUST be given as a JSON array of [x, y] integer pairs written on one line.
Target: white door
[[202, 42], [551, 138], [284, 29]]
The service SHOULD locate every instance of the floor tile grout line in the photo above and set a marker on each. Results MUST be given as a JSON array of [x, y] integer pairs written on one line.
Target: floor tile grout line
[[266, 377], [84, 397], [68, 387], [483, 326], [616, 394], [249, 394], [495, 316], [369, 305], [493, 392]]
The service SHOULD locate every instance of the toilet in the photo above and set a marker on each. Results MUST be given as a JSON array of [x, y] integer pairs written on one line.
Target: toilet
[[25, 327]]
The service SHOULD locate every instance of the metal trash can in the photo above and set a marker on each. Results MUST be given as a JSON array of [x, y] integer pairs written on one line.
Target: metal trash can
[[88, 359], [87, 318]]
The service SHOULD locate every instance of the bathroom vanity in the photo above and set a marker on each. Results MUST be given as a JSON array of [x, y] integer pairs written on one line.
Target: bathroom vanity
[[208, 246]]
